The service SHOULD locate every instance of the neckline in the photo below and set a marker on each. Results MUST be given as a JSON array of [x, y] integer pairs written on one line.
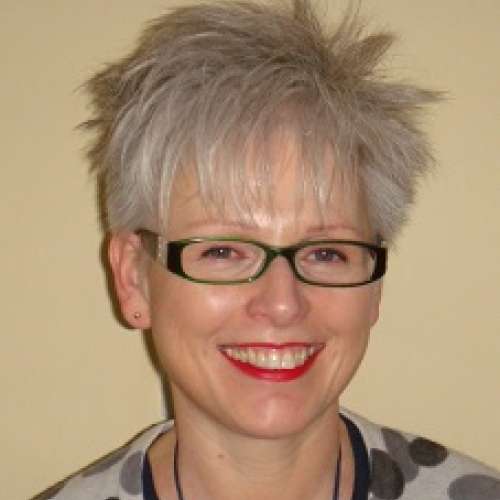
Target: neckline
[[361, 466]]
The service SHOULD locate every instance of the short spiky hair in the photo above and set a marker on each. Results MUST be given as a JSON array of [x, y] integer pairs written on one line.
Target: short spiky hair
[[209, 80]]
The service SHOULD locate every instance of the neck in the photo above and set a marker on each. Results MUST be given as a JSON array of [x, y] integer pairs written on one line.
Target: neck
[[218, 464]]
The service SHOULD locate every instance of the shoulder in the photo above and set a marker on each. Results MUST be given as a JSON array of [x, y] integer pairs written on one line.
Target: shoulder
[[409, 467], [117, 475]]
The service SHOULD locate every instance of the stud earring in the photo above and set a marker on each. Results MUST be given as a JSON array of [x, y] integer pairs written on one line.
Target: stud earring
[[137, 315]]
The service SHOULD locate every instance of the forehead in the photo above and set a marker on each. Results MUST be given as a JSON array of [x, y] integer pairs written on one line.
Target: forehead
[[246, 168], [284, 199]]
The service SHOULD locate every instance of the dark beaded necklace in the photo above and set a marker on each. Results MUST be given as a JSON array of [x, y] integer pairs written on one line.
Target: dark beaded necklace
[[180, 496]]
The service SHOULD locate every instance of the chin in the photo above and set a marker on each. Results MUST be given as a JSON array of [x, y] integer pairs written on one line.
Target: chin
[[277, 417]]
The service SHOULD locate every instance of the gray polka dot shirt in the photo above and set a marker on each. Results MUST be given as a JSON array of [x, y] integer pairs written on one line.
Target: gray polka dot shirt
[[402, 466]]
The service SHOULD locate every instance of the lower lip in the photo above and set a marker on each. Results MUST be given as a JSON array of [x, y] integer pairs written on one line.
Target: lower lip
[[270, 375]]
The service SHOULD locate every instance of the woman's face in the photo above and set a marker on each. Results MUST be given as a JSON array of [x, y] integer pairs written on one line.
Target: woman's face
[[191, 322]]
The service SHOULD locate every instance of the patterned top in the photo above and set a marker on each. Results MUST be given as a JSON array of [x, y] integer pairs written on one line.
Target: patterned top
[[402, 467]]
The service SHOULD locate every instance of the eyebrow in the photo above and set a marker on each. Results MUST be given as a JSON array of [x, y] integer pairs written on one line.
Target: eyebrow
[[218, 222], [331, 227], [248, 225]]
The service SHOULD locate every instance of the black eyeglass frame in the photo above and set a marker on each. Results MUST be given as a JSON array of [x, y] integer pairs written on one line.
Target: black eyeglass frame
[[169, 253]]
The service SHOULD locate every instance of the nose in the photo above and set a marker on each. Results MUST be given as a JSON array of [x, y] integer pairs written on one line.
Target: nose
[[277, 296]]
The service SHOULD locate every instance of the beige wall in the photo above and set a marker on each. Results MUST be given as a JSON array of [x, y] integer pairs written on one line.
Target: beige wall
[[75, 383]]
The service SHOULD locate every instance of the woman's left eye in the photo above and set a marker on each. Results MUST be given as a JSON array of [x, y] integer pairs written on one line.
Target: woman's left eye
[[326, 255]]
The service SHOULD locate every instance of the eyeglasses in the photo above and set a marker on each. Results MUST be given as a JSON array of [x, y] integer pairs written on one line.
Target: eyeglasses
[[231, 261]]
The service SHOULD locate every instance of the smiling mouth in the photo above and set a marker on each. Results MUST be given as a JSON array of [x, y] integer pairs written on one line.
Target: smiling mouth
[[272, 357]]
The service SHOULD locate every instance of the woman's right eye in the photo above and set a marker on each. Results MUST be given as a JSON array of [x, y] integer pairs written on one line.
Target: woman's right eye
[[218, 253]]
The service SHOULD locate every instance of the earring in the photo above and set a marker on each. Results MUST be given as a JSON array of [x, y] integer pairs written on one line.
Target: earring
[[137, 315]]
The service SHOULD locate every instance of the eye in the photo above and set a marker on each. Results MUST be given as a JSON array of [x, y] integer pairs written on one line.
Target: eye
[[219, 252], [326, 255]]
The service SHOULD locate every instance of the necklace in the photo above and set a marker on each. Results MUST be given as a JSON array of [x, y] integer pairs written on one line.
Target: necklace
[[180, 496]]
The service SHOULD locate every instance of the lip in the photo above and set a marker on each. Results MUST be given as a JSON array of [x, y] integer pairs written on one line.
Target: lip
[[268, 374]]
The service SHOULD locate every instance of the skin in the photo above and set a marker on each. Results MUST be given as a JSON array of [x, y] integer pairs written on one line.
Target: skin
[[240, 437]]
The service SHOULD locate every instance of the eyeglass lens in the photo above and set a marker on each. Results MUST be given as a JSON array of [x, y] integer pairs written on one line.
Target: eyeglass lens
[[325, 262]]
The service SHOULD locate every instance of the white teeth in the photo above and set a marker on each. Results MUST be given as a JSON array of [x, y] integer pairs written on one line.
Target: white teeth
[[288, 360], [261, 359], [300, 356], [272, 359], [252, 356]]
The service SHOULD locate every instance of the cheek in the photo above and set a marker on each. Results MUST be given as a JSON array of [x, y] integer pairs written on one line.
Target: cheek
[[185, 312], [346, 322], [349, 311]]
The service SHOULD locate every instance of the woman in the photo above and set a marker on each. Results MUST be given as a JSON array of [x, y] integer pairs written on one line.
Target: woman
[[254, 170]]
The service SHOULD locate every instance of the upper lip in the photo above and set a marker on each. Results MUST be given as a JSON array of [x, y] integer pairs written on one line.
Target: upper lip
[[270, 345]]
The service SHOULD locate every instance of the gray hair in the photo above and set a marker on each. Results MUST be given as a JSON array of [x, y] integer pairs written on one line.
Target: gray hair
[[209, 84]]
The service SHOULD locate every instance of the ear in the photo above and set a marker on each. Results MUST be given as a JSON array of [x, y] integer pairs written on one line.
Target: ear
[[130, 279], [375, 306]]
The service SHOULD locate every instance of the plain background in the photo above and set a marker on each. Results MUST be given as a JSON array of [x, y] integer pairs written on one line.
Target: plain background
[[75, 383]]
